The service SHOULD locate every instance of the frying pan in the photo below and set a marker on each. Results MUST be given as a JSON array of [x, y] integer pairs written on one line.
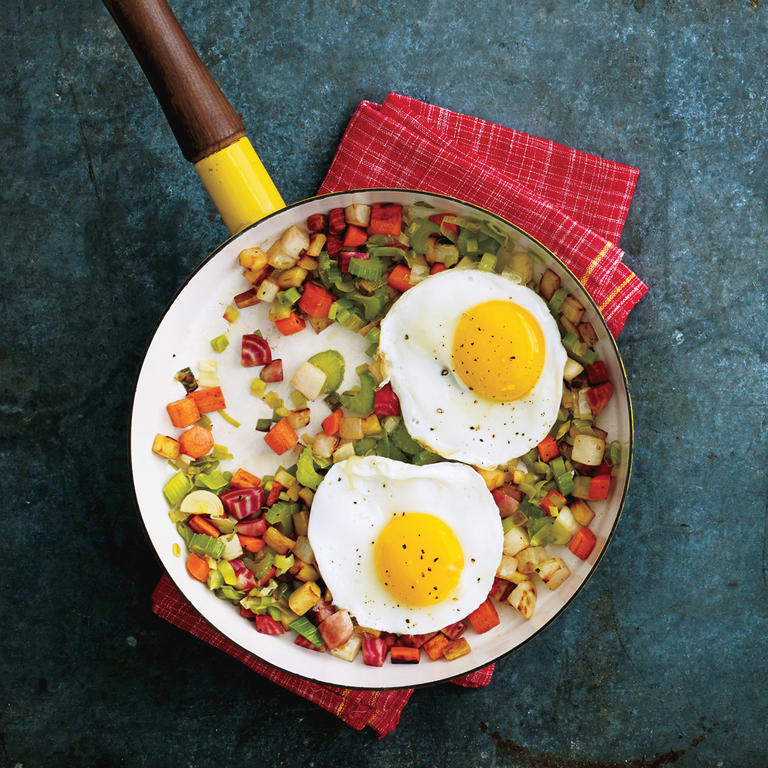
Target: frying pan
[[211, 135]]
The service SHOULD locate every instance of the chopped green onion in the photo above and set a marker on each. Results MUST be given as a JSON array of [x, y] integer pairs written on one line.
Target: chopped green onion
[[419, 232], [220, 343], [367, 269], [224, 415], [228, 592], [264, 425], [185, 532], [304, 627], [187, 378], [556, 302], [211, 481], [221, 452], [202, 544], [487, 262], [288, 297], [176, 489], [215, 580]]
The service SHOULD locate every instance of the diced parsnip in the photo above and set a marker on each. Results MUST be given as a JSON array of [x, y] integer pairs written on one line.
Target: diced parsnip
[[252, 258], [280, 543], [553, 572], [316, 242], [507, 567], [309, 380], [494, 478], [587, 333], [304, 598], [307, 495], [165, 446], [515, 539], [371, 425], [284, 478], [278, 258], [346, 451], [208, 373], [582, 512], [301, 519], [358, 214], [232, 547], [519, 578], [308, 263], [572, 369], [588, 449], [267, 291], [304, 571], [325, 445], [299, 419], [292, 491], [568, 325], [521, 263], [549, 283], [523, 599], [573, 309], [351, 428], [568, 399], [291, 278], [528, 558], [582, 409], [293, 241], [303, 549], [350, 649], [256, 276]]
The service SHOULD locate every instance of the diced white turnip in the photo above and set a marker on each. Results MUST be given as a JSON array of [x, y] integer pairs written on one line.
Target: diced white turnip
[[572, 369], [350, 649], [523, 599], [325, 445], [573, 309], [303, 550], [267, 291], [515, 539], [553, 572], [345, 451], [588, 450], [529, 558], [550, 282], [309, 380], [507, 568], [358, 214]]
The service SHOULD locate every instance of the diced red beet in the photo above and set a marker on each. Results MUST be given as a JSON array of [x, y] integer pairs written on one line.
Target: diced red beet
[[390, 638], [246, 614], [268, 626], [346, 256], [507, 505], [511, 490], [597, 373], [272, 372], [604, 469], [245, 578], [337, 223], [252, 527], [415, 641], [316, 222], [274, 493], [254, 350], [500, 589], [336, 629], [386, 402], [304, 643], [243, 502], [374, 651], [454, 631], [334, 246], [599, 396], [320, 612]]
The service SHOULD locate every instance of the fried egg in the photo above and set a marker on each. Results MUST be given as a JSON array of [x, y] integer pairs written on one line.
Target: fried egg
[[477, 363], [404, 548]]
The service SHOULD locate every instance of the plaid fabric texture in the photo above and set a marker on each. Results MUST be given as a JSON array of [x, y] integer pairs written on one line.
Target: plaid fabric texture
[[574, 203]]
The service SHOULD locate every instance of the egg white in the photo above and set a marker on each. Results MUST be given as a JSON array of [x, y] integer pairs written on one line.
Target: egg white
[[356, 500], [438, 408]]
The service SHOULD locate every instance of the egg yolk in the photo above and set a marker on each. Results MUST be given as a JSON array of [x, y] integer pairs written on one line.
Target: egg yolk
[[498, 350], [418, 559]]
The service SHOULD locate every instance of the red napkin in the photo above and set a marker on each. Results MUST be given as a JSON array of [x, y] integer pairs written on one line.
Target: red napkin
[[574, 203]]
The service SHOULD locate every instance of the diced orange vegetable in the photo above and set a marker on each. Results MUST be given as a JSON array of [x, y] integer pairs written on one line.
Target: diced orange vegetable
[[386, 219], [332, 423], [437, 218], [196, 442], [183, 412], [437, 267], [274, 493], [457, 648], [202, 524], [354, 236], [599, 487], [315, 301], [582, 543], [484, 617], [209, 399], [435, 646], [281, 437], [197, 567], [401, 654], [231, 314], [548, 449], [250, 543], [400, 278], [290, 325], [242, 479], [552, 502]]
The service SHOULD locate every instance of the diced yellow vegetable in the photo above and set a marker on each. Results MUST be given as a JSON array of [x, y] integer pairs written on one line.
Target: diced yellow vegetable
[[456, 649], [494, 478], [253, 258], [304, 598], [371, 425], [528, 558], [280, 543], [166, 447], [316, 242], [582, 512], [291, 278], [351, 428]]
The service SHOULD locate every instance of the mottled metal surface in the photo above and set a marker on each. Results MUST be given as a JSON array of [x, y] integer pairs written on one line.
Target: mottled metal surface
[[662, 658]]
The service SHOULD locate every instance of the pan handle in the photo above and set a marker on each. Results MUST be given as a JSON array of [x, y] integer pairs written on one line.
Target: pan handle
[[209, 131]]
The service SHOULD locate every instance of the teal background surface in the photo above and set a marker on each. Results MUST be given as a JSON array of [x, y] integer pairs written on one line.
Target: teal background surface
[[662, 658]]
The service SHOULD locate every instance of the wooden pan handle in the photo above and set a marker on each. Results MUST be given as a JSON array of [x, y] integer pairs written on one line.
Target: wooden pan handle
[[200, 116]]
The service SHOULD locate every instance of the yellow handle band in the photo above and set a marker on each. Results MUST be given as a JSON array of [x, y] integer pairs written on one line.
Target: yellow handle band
[[239, 185]]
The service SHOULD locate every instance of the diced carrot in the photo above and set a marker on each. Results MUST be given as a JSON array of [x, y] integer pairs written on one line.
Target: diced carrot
[[281, 437], [599, 487], [196, 442], [243, 479], [435, 647], [548, 449], [437, 267], [386, 219], [400, 278], [202, 524], [448, 226], [209, 399], [401, 654], [332, 423], [354, 236], [553, 501], [270, 573], [290, 325], [484, 617], [274, 493], [582, 543], [251, 543], [197, 567], [183, 412], [316, 301]]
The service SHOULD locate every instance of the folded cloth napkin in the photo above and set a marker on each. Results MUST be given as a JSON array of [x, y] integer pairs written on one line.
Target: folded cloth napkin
[[574, 203]]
